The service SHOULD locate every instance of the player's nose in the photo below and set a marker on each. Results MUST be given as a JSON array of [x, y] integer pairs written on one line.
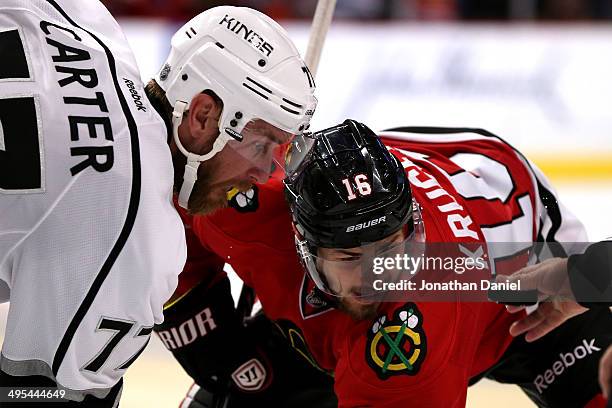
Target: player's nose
[[260, 174], [261, 169]]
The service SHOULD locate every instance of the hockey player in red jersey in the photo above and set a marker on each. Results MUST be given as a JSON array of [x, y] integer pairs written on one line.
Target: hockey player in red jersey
[[353, 196]]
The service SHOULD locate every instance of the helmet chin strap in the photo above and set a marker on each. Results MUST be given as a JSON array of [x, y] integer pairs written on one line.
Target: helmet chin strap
[[193, 160]]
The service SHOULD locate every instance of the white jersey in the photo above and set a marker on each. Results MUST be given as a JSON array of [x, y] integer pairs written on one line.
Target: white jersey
[[90, 242]]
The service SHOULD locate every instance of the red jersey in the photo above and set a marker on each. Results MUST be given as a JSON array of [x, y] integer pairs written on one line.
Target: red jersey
[[471, 188]]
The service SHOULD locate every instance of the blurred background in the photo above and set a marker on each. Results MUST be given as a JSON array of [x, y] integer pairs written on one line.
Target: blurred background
[[536, 72], [383, 10]]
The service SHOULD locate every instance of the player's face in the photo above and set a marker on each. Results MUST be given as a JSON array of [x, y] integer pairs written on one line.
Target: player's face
[[239, 165], [343, 270]]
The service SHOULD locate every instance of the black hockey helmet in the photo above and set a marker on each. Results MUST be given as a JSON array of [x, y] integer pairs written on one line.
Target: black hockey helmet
[[344, 188]]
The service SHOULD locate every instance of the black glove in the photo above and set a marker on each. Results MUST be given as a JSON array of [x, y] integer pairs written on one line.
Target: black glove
[[239, 363], [290, 380], [203, 332]]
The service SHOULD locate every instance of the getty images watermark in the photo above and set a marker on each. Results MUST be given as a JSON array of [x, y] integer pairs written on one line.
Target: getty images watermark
[[457, 271], [473, 272], [402, 264]]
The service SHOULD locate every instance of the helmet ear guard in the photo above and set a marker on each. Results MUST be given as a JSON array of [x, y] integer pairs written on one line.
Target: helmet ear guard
[[302, 247], [304, 250]]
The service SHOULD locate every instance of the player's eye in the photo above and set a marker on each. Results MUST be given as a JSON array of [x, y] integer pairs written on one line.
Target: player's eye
[[350, 258], [260, 148]]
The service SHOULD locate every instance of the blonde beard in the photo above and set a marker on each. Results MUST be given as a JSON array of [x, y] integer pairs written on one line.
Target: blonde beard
[[206, 199]]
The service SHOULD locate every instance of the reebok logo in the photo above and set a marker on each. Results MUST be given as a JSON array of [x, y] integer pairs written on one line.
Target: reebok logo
[[566, 360], [137, 98], [366, 224]]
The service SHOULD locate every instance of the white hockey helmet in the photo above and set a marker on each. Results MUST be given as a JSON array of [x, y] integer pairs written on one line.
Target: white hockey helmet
[[248, 60]]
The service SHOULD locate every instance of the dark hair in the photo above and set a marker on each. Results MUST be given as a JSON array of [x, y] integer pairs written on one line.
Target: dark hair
[[157, 97]]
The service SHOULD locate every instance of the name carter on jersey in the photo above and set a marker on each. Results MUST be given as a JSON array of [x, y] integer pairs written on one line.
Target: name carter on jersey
[[100, 158]]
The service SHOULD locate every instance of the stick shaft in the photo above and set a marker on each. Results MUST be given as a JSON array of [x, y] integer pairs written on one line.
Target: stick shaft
[[320, 24]]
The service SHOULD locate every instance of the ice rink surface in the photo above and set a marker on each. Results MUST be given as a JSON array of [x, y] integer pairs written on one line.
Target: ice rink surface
[[156, 380]]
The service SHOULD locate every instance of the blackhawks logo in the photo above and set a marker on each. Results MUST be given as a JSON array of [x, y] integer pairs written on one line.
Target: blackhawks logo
[[397, 346]]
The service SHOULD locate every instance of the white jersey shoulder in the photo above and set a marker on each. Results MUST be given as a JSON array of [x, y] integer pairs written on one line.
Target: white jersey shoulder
[[87, 225]]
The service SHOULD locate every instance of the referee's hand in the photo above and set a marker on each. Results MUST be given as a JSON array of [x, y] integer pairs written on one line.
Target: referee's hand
[[551, 281], [549, 277]]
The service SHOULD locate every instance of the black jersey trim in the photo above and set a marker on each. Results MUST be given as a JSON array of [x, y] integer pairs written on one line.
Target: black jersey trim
[[546, 196], [322, 307], [432, 130], [132, 207]]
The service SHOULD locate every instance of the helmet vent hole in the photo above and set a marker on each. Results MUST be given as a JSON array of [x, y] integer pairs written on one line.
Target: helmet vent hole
[[218, 44], [185, 77], [261, 62]]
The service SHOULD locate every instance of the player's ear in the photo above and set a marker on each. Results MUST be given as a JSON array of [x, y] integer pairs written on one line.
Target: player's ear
[[203, 121]]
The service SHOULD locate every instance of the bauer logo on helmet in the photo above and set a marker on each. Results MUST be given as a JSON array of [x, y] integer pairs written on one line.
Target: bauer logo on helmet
[[366, 224]]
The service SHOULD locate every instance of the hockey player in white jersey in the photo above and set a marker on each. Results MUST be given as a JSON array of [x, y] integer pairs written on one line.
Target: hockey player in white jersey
[[90, 242]]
